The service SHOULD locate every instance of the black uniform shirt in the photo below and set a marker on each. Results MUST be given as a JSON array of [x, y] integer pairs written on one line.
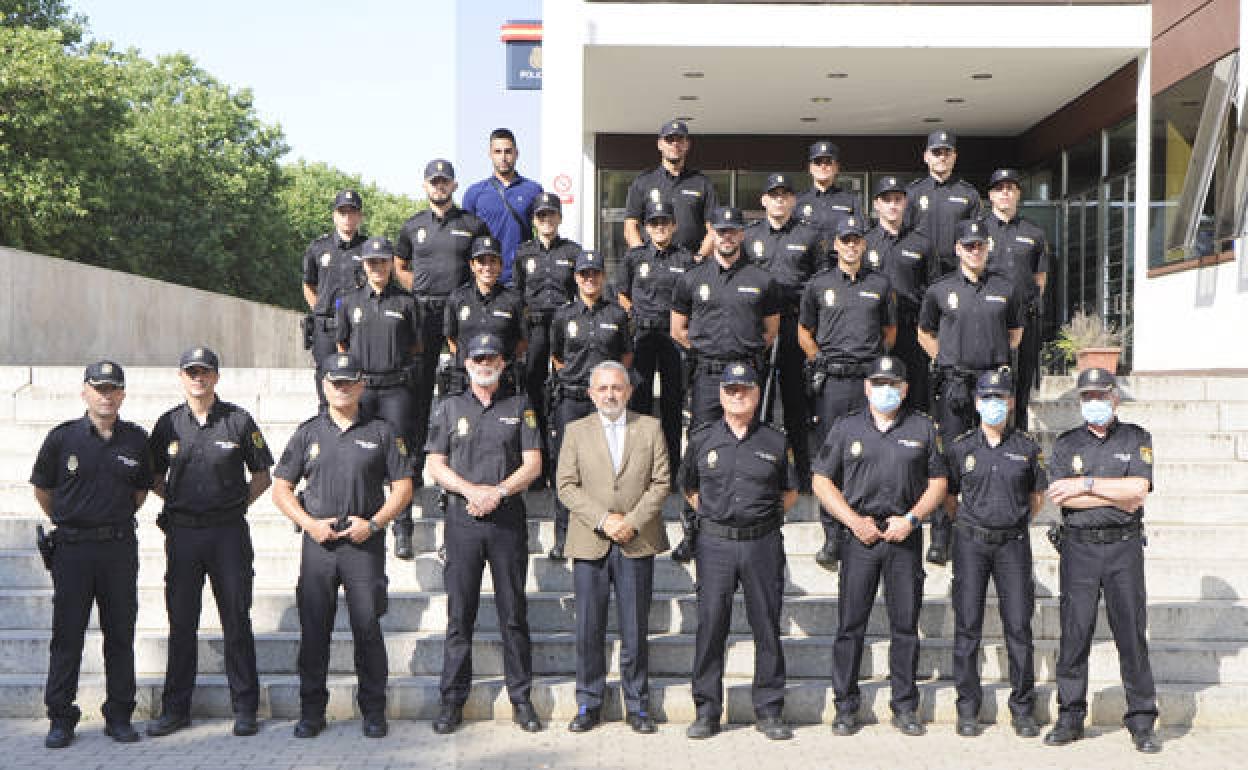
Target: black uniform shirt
[[346, 469], [582, 337], [881, 473], [824, 210], [379, 329], [791, 254], [1126, 451], [971, 320], [726, 307], [647, 277], [205, 462], [740, 482], [996, 483], [848, 315], [934, 208], [438, 248], [332, 265], [469, 313], [903, 258], [692, 197], [546, 277], [93, 481], [1018, 249]]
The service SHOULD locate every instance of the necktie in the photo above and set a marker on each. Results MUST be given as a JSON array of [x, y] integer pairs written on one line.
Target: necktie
[[613, 444]]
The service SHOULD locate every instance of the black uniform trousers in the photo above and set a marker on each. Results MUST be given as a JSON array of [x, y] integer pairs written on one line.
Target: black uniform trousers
[[501, 541], [1009, 565], [361, 571], [1116, 570], [655, 350], [224, 554], [1028, 368], [790, 366], [324, 342], [634, 585], [426, 368], [758, 567], [907, 348], [567, 409], [104, 573], [901, 567], [955, 414], [839, 397], [396, 404], [536, 371]]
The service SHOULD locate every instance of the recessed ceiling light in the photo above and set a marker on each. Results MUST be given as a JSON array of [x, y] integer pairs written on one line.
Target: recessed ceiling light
[[688, 98], [821, 99], [982, 76], [955, 100], [837, 75], [685, 118], [933, 120], [808, 120], [695, 74]]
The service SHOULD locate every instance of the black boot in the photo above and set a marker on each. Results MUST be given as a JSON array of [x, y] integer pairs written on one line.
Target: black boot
[[941, 534], [684, 551]]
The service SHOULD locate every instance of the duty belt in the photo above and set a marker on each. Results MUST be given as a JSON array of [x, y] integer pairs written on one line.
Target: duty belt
[[575, 392], [653, 324], [716, 366], [1105, 534], [94, 534], [201, 520], [385, 379], [842, 369], [992, 536], [754, 532], [539, 317], [437, 303]]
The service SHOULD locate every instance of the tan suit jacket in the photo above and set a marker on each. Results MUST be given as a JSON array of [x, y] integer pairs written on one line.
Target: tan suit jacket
[[588, 485]]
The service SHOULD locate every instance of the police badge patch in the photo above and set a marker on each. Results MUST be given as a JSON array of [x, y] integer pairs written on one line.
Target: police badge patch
[[572, 328], [401, 445], [325, 258], [530, 418], [357, 315], [970, 463], [421, 235], [464, 312], [462, 426], [953, 301], [704, 292], [1076, 464], [172, 449], [257, 440], [531, 265], [712, 457], [855, 449], [829, 297], [644, 269], [71, 464]]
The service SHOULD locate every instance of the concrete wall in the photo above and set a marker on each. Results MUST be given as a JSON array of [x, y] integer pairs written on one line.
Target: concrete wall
[[53, 311]]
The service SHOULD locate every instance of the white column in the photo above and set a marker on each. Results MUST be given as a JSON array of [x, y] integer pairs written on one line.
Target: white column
[[1143, 155], [564, 150]]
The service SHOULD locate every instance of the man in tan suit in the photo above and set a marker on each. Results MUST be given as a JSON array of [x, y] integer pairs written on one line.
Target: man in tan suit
[[613, 477]]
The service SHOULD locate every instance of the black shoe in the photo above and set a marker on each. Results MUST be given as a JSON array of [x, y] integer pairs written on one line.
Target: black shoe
[[1062, 734], [968, 727], [375, 727], [403, 547], [122, 732], [525, 715], [641, 722], [829, 555], [450, 716], [585, 720], [774, 728], [168, 724], [845, 723], [908, 723], [683, 552], [246, 724], [1145, 741], [556, 553], [702, 728], [309, 727], [1025, 726], [59, 736]]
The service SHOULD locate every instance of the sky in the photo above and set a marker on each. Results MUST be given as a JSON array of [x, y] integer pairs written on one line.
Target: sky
[[366, 86]]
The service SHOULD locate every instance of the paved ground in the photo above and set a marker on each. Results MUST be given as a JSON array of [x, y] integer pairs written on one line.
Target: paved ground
[[499, 745]]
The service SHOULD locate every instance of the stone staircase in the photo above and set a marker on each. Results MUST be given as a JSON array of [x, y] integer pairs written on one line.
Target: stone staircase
[[1197, 582]]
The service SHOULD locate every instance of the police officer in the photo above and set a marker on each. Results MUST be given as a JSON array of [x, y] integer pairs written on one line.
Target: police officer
[[347, 458], [825, 205], [544, 277], [791, 252], [202, 454], [1103, 471], [996, 487], [690, 192], [505, 200], [725, 310], [481, 306], [90, 477], [432, 255], [969, 322], [881, 473], [484, 450], [331, 266], [848, 319], [902, 253], [1019, 250], [380, 324], [740, 477], [940, 200], [587, 331], [648, 274]]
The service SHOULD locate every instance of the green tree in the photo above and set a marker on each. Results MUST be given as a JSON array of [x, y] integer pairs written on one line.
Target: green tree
[[43, 14]]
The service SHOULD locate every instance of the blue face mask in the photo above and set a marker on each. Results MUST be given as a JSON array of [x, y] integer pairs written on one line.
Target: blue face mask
[[885, 398], [1098, 412], [992, 411]]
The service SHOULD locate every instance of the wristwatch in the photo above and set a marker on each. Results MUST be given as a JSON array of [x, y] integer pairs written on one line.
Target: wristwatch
[[373, 527], [915, 521], [1088, 481], [502, 491]]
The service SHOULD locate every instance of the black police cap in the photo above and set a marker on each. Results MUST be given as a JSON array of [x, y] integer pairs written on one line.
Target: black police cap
[[939, 139], [995, 383], [105, 373], [439, 168], [1004, 175], [485, 245], [588, 260], [342, 367], [778, 180], [659, 210], [548, 201], [970, 231], [738, 374], [348, 198], [377, 248], [887, 368], [727, 218], [887, 184], [1095, 378], [674, 128], [850, 227], [202, 357], [824, 149]]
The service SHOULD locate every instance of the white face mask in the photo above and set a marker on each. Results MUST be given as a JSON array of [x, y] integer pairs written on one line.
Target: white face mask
[[483, 375]]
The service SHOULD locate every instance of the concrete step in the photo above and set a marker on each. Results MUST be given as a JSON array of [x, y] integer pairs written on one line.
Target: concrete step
[[1157, 388], [1171, 445], [420, 654], [1156, 416], [807, 701], [1216, 620]]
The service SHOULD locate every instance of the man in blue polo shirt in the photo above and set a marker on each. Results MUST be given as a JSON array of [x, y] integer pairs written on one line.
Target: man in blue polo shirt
[[505, 199]]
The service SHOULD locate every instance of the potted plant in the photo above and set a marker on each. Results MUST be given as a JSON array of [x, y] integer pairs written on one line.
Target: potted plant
[[1087, 341]]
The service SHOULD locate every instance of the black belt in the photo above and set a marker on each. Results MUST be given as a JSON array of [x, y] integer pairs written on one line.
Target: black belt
[[842, 369], [992, 536], [385, 379], [94, 534], [755, 532], [717, 365], [201, 520], [574, 392], [434, 302], [328, 322], [1105, 534], [653, 324], [539, 317]]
